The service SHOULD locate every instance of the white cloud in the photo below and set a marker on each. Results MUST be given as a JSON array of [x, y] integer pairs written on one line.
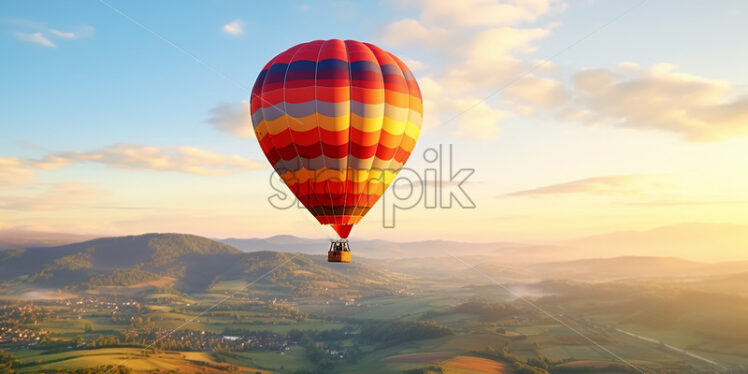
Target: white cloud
[[202, 158], [235, 27], [490, 60], [36, 38], [411, 31], [468, 117], [80, 32], [497, 44], [183, 159], [234, 119], [537, 92], [414, 65], [50, 162], [13, 171], [483, 13], [63, 34], [483, 48], [488, 50], [38, 33], [660, 98], [477, 119], [20, 171], [442, 23]]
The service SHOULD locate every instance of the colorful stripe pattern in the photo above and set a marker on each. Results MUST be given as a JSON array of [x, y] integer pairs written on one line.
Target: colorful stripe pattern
[[337, 120]]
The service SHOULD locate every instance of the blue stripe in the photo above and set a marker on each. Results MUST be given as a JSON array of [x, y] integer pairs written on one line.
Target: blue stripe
[[302, 65], [332, 64], [278, 69], [365, 66], [391, 69]]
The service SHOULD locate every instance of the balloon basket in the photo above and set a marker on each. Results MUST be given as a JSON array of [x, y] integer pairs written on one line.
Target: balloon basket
[[339, 251]]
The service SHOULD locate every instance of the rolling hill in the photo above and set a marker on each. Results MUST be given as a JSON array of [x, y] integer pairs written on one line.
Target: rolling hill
[[192, 263], [195, 263]]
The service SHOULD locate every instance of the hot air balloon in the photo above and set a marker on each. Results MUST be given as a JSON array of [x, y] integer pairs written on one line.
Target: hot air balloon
[[337, 120]]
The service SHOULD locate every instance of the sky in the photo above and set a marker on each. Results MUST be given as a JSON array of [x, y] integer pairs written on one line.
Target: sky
[[576, 118]]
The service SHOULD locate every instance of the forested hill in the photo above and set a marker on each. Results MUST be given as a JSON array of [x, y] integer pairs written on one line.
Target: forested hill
[[193, 262]]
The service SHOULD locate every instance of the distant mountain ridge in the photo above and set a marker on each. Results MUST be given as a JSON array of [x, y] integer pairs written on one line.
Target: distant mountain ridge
[[383, 249], [694, 241]]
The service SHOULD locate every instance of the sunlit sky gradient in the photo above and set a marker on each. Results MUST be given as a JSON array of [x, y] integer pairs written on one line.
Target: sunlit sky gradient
[[618, 116]]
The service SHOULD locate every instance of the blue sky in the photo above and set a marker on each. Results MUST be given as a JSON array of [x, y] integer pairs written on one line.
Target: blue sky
[[79, 79]]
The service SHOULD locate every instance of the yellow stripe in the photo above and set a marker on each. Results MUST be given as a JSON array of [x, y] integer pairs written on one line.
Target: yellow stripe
[[412, 131], [285, 121], [301, 124], [394, 126], [304, 175], [338, 123], [366, 124]]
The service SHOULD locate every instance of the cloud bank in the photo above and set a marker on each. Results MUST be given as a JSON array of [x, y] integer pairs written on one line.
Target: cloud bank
[[183, 159]]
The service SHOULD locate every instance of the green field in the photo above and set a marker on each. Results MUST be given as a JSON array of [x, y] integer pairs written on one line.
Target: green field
[[314, 318]]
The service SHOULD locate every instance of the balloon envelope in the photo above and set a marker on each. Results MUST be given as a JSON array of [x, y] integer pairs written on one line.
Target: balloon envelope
[[337, 120]]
